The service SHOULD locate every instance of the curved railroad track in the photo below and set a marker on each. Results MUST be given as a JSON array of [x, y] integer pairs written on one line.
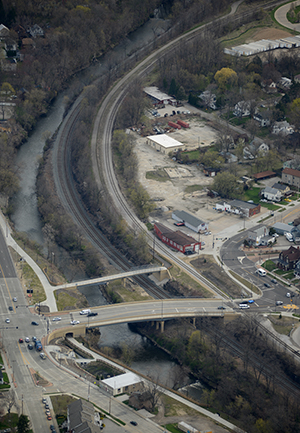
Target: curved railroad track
[[104, 171]]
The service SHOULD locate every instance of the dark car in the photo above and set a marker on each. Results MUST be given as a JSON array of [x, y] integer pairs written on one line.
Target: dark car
[[92, 314], [47, 406], [267, 285], [30, 346], [34, 323], [274, 281], [221, 307], [10, 308], [133, 422]]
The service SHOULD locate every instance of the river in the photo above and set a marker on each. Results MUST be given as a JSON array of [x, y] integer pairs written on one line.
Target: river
[[149, 359]]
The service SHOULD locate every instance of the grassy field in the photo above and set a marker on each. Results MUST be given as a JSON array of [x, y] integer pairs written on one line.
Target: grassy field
[[70, 299], [160, 175]]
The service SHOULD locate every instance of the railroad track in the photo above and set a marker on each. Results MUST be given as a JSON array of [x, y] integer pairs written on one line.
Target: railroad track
[[230, 344], [102, 157]]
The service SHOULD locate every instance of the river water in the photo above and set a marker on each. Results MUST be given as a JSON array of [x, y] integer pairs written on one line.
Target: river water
[[149, 359]]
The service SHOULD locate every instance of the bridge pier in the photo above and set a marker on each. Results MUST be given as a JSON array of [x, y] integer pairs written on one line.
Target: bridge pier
[[162, 274], [162, 325], [194, 322]]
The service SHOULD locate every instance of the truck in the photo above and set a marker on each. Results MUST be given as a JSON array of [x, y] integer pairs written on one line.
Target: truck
[[85, 312], [183, 123], [38, 345], [174, 125]]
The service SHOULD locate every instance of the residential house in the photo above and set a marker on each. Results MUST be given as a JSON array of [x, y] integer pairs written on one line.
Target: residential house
[[282, 128], [284, 189], [284, 83], [4, 32], [35, 31], [209, 99], [291, 177], [288, 259], [82, 418], [271, 194], [255, 236], [242, 109], [210, 172], [254, 149], [263, 118]]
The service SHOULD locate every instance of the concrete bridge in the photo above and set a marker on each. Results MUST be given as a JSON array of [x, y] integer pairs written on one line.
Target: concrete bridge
[[161, 271], [156, 311]]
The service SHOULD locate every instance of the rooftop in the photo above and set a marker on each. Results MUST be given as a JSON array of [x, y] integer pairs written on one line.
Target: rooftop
[[177, 236], [122, 380], [165, 141]]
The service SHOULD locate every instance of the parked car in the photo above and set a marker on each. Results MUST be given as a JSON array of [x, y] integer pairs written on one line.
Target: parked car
[[30, 346], [7, 320], [15, 299], [10, 308], [179, 224], [34, 323], [21, 340], [27, 339], [34, 338]]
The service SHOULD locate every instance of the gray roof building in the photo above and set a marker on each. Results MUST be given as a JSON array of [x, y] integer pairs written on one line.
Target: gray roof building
[[189, 220], [81, 418]]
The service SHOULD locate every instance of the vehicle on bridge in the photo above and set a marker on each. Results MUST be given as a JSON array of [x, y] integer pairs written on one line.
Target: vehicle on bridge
[[85, 312]]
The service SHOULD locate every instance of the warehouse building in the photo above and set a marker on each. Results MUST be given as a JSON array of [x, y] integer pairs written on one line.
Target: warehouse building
[[164, 143], [177, 240], [158, 98], [282, 228], [190, 221]]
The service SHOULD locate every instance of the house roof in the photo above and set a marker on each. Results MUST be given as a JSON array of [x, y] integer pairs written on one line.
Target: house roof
[[270, 190], [279, 186], [177, 237], [157, 94], [260, 231], [264, 174], [122, 380], [292, 253], [81, 417], [190, 219], [291, 171]]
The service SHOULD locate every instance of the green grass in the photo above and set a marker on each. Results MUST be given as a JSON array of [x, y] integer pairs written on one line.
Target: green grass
[[246, 283], [60, 403], [193, 188], [34, 283], [252, 194], [269, 265], [172, 428], [9, 420], [160, 175], [237, 121], [293, 17], [280, 271], [271, 206]]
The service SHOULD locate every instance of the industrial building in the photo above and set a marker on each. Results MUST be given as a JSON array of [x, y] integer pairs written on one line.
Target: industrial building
[[262, 46], [158, 98], [164, 143], [177, 240], [190, 221], [282, 228]]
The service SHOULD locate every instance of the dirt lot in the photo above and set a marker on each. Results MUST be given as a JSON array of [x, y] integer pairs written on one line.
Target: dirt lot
[[182, 187], [268, 33]]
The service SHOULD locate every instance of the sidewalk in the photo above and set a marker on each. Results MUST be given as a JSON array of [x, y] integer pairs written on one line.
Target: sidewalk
[[50, 299]]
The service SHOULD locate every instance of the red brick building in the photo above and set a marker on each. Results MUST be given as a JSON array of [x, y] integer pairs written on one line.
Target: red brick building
[[177, 240]]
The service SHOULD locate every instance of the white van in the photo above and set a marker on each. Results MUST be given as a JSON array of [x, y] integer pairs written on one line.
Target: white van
[[261, 272], [244, 306], [289, 237], [85, 312]]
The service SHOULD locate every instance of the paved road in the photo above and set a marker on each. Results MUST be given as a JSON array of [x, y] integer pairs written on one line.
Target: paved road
[[280, 16]]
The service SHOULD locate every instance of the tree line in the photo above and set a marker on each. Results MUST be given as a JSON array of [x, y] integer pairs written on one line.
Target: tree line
[[241, 385]]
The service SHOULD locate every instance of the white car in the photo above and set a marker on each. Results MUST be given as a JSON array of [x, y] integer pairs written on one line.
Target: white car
[[7, 320], [56, 319], [244, 306], [27, 339], [288, 295], [15, 299], [74, 322]]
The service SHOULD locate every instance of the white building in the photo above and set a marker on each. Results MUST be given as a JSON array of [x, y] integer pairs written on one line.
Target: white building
[[255, 236], [164, 143], [123, 383], [271, 194]]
